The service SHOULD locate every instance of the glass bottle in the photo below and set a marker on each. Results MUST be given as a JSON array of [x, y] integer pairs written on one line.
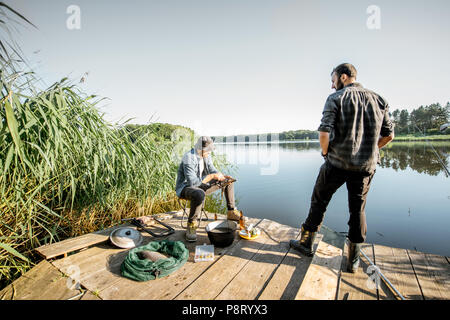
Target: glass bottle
[[242, 221]]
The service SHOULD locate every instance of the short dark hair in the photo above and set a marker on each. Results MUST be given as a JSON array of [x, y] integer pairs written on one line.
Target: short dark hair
[[345, 68]]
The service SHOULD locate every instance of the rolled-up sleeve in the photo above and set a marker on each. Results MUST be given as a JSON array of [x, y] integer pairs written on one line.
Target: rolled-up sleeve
[[328, 115], [387, 127]]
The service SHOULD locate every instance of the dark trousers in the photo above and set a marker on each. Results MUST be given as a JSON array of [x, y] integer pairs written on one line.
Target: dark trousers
[[197, 194], [330, 178]]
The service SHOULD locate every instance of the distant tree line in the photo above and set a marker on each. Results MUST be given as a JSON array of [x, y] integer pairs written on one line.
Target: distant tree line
[[299, 135], [159, 132], [423, 120], [285, 135]]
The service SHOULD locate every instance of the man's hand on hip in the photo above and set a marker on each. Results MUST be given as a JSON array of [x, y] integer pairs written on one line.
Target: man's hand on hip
[[324, 140]]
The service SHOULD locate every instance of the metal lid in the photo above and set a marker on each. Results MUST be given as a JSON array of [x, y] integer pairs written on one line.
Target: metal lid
[[126, 237]]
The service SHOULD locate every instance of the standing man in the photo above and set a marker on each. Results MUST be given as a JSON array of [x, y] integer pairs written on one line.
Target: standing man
[[354, 126], [197, 177]]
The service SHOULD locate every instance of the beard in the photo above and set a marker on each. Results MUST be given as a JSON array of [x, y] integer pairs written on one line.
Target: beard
[[339, 85]]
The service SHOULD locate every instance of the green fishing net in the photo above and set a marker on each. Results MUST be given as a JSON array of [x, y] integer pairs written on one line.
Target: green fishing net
[[139, 269]]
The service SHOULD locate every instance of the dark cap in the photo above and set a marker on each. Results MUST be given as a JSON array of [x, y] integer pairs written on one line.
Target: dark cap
[[205, 143]]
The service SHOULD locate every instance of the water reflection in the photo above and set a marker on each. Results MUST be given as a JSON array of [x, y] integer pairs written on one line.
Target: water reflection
[[418, 156], [422, 157], [300, 146]]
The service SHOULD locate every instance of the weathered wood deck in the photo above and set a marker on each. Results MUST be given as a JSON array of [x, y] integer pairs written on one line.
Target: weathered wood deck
[[262, 269]]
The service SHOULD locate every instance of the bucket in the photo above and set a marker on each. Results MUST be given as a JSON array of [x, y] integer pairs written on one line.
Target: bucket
[[221, 233]]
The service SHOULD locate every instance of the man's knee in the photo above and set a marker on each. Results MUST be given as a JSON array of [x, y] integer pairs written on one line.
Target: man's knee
[[198, 196]]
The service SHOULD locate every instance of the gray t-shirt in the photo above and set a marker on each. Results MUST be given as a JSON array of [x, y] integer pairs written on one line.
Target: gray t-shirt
[[201, 164]]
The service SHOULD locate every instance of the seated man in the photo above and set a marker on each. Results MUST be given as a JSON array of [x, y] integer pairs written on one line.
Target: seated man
[[197, 177]]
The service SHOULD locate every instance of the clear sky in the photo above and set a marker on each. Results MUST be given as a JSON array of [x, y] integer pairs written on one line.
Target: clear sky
[[227, 67]]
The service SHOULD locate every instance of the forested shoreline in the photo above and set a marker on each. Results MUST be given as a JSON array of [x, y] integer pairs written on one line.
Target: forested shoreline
[[421, 123]]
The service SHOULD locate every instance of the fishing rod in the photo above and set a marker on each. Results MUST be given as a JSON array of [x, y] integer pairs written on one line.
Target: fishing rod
[[383, 276], [378, 271], [140, 225]]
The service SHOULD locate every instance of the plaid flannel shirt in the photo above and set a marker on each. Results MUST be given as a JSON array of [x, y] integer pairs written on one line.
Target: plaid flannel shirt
[[355, 117]]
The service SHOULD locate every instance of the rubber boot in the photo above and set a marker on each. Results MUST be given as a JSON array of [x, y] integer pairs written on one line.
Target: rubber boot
[[353, 257], [234, 215], [191, 232], [305, 244]]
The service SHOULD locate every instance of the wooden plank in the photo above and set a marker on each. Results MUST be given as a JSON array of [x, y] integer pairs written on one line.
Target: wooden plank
[[433, 274], [222, 280], [100, 265], [321, 279], [43, 282], [90, 264], [383, 291], [289, 275], [395, 264], [357, 286], [72, 244], [253, 278], [214, 279], [171, 286]]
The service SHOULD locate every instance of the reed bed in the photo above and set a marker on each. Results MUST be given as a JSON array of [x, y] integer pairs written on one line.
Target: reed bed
[[66, 171]]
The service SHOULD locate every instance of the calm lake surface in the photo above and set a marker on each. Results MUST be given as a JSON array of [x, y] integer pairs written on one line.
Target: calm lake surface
[[408, 205]]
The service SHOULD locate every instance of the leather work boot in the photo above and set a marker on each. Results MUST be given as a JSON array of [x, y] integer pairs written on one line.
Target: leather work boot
[[304, 245], [353, 256], [191, 230], [234, 215]]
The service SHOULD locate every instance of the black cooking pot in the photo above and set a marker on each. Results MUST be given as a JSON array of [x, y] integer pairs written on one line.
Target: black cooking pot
[[221, 233]]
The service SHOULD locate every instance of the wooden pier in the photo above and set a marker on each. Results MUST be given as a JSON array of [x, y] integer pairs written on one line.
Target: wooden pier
[[261, 269]]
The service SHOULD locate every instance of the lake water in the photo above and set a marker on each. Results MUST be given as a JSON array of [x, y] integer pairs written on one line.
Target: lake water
[[408, 205]]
